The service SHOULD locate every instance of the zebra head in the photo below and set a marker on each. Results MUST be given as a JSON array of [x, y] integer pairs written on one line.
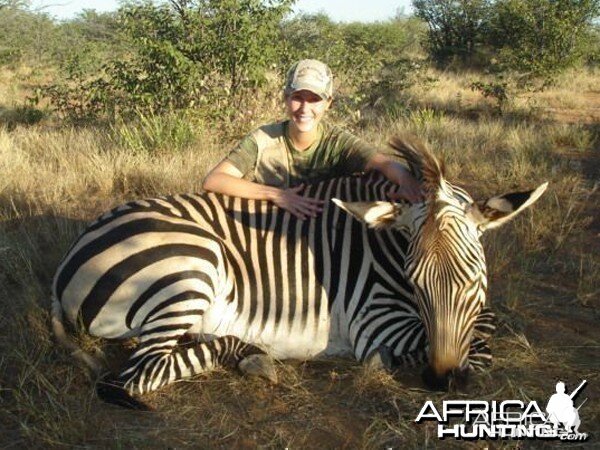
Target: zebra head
[[445, 262]]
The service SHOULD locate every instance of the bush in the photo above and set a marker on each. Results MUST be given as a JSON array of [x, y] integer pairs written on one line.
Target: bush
[[19, 115], [536, 38], [592, 47], [369, 60], [456, 27], [25, 34], [495, 90], [87, 42], [541, 37], [184, 54], [356, 51]]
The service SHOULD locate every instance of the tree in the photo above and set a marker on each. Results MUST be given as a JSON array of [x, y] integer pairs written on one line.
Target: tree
[[178, 55], [24, 33], [456, 27], [245, 37], [542, 37], [15, 4]]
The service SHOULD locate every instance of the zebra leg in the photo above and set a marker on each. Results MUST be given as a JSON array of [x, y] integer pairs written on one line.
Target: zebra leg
[[381, 359], [259, 364], [485, 324], [480, 355], [154, 366], [405, 346], [385, 359]]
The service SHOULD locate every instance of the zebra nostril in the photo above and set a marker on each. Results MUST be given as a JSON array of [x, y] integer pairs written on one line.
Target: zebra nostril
[[433, 381], [453, 380]]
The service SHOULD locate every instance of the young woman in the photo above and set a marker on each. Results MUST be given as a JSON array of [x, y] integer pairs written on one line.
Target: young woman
[[273, 162]]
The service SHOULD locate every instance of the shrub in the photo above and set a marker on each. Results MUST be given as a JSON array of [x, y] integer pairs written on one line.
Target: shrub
[[591, 46], [369, 60], [356, 51], [184, 54], [496, 90], [456, 27], [87, 41], [20, 115], [541, 37], [537, 38], [25, 34]]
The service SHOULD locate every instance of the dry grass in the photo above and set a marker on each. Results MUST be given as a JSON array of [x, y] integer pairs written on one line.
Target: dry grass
[[544, 276]]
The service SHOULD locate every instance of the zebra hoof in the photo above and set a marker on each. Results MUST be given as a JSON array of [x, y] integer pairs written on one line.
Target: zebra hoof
[[259, 365], [382, 359]]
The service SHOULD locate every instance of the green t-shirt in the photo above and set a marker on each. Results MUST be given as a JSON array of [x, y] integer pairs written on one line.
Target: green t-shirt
[[335, 153]]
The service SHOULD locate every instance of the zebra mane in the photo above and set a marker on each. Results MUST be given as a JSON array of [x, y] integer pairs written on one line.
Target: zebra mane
[[424, 164]]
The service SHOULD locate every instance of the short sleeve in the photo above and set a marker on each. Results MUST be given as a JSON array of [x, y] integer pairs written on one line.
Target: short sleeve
[[355, 153], [244, 155]]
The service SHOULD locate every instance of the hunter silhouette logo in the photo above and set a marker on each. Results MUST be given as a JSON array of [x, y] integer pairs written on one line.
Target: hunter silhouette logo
[[508, 419], [561, 410]]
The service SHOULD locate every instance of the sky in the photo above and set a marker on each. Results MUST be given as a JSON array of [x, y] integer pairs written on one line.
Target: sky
[[338, 10]]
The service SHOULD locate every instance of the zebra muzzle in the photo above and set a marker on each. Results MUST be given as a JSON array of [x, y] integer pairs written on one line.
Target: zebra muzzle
[[452, 380]]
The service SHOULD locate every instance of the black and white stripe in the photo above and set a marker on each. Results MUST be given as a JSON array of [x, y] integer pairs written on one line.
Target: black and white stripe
[[221, 266], [246, 277]]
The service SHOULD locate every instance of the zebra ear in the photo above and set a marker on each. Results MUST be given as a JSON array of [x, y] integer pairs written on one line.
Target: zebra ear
[[374, 214], [496, 211]]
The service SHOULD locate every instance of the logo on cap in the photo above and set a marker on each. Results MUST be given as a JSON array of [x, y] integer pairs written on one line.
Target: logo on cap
[[311, 75]]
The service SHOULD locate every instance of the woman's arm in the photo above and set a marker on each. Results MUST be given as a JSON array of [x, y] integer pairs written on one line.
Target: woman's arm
[[408, 186], [227, 179]]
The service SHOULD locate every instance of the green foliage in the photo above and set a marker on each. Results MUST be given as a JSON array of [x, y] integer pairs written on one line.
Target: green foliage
[[244, 38], [85, 43], [24, 34], [386, 87], [19, 115], [496, 90], [369, 60], [14, 4], [76, 96], [456, 27], [538, 38], [424, 118], [312, 36], [541, 37], [33, 38], [592, 46], [204, 54], [160, 73], [356, 51]]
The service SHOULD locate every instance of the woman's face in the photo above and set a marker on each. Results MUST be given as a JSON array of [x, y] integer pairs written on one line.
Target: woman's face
[[306, 109]]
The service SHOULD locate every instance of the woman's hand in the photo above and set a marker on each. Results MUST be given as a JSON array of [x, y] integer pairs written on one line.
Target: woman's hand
[[407, 186], [292, 201], [226, 179]]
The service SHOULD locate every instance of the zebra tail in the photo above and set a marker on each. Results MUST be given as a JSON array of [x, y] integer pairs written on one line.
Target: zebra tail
[[58, 327]]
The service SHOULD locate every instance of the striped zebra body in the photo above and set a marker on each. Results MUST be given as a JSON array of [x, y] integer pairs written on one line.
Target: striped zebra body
[[217, 266], [248, 278]]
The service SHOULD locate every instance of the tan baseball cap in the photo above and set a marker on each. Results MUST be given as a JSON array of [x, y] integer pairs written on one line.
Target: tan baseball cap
[[310, 75]]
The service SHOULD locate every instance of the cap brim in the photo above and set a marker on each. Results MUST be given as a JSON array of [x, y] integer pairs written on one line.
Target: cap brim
[[309, 87]]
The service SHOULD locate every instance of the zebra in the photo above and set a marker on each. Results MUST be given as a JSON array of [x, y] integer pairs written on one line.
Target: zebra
[[386, 283]]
